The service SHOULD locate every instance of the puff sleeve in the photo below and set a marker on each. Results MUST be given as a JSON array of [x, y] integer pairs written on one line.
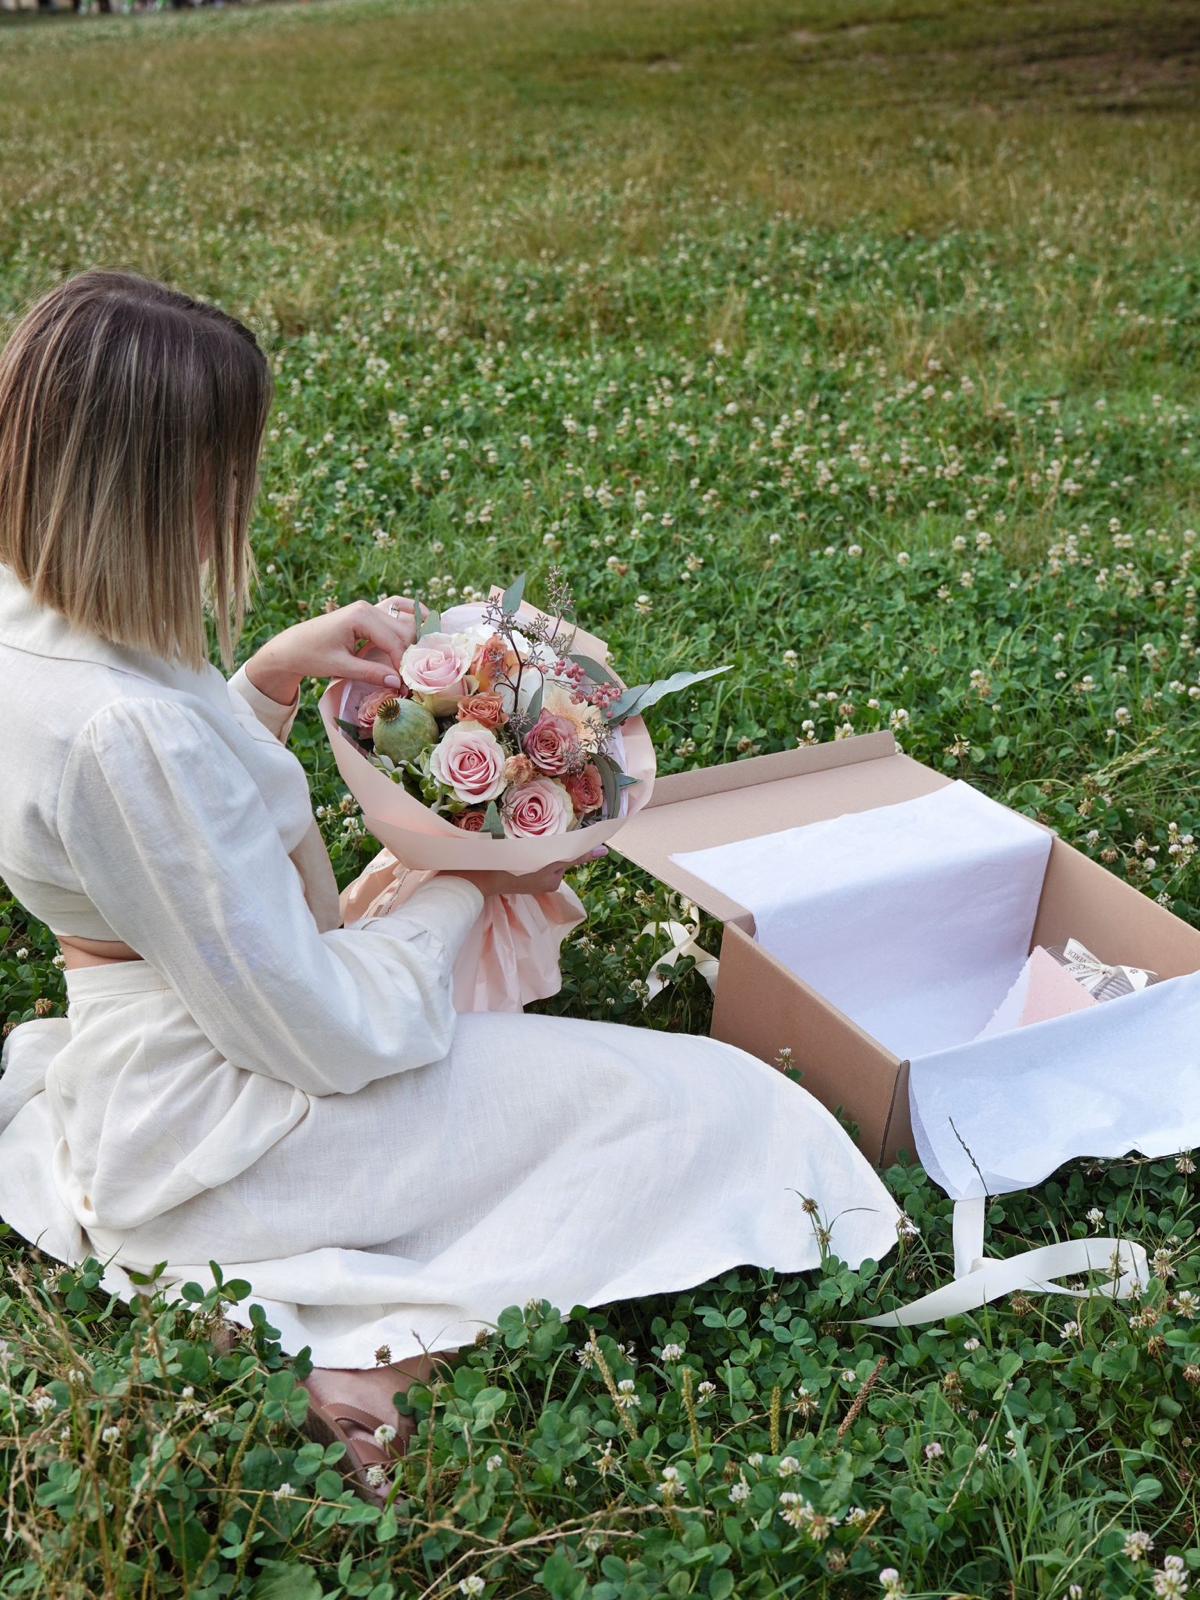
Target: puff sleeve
[[174, 845]]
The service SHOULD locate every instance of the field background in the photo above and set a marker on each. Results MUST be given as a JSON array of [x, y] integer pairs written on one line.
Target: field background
[[854, 344]]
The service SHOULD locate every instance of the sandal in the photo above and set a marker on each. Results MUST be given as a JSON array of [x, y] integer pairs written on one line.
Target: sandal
[[326, 1425]]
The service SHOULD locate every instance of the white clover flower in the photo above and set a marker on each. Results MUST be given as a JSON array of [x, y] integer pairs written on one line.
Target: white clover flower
[[848, 1375], [384, 1434], [706, 1391], [284, 1492], [934, 1451], [739, 1491], [376, 1476], [111, 1434], [1187, 1304], [494, 1463], [889, 1578], [672, 1352], [1171, 1583], [1138, 1545], [473, 1585], [754, 1459], [971, 1344], [40, 1403], [787, 1466]]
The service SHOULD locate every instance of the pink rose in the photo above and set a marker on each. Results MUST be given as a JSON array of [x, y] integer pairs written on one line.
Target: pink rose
[[368, 706], [537, 810], [586, 789], [469, 822], [469, 760], [435, 668], [552, 744]]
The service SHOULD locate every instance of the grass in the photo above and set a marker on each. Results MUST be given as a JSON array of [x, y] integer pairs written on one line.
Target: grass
[[853, 343]]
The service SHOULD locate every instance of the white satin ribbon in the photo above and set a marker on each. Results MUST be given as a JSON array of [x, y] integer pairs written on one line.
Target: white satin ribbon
[[684, 944], [980, 1279]]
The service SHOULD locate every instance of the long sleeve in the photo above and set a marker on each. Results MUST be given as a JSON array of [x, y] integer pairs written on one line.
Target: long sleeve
[[174, 845], [275, 718]]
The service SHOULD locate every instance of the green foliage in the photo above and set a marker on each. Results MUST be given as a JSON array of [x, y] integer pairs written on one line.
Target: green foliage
[[853, 347]]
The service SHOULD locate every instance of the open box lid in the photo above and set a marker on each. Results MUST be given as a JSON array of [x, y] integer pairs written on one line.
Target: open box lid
[[813, 783], [745, 799]]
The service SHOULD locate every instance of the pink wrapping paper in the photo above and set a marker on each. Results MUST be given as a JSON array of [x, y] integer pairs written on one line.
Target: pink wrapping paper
[[512, 955]]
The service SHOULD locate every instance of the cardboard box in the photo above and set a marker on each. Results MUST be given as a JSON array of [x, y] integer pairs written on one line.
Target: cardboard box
[[764, 1008]]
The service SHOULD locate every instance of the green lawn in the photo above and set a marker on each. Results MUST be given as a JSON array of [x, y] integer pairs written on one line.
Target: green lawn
[[851, 342]]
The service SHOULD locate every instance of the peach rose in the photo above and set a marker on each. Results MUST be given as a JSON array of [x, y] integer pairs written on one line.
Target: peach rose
[[435, 669], [485, 709], [519, 770], [469, 821], [493, 661], [469, 760], [537, 810], [552, 744], [586, 789]]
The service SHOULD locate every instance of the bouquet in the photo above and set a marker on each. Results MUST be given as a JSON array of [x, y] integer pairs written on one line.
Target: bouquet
[[509, 736]]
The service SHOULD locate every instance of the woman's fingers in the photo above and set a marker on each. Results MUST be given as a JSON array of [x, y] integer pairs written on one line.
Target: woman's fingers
[[381, 673], [392, 635]]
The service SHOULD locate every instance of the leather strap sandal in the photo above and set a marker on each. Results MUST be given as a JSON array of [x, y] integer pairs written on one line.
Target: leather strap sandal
[[327, 1425]]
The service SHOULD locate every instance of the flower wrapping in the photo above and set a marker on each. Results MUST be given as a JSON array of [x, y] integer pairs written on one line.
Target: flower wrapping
[[512, 956]]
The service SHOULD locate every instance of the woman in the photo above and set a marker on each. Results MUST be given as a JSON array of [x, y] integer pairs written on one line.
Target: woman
[[238, 1078]]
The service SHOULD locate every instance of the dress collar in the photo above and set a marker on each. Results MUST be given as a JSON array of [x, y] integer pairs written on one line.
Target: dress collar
[[40, 631]]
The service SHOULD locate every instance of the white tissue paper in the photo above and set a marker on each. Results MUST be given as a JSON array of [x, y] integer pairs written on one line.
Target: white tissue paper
[[913, 919]]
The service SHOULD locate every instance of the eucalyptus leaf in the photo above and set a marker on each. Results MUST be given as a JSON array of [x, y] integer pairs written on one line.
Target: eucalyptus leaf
[[493, 823], [637, 701], [610, 776], [534, 709], [432, 622], [596, 670], [350, 729], [510, 601]]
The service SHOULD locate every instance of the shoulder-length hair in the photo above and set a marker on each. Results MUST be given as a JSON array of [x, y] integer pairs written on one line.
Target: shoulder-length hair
[[131, 420]]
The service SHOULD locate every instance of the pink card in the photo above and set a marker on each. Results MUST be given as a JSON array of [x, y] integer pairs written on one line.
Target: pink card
[[1043, 990]]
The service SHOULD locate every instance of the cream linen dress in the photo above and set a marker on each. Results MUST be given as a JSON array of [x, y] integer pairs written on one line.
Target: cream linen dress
[[298, 1101]]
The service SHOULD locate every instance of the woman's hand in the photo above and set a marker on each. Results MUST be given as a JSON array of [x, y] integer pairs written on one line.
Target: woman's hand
[[328, 646], [545, 881]]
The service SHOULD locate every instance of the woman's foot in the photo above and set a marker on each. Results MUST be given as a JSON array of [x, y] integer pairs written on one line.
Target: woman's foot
[[354, 1406]]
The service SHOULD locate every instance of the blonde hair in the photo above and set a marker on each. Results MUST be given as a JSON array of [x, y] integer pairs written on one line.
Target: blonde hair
[[131, 420]]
